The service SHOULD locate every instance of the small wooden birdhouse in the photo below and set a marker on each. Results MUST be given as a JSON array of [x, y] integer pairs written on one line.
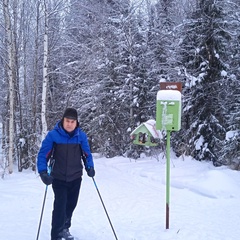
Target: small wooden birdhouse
[[146, 134]]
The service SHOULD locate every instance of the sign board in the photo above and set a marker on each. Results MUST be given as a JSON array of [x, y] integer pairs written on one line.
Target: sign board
[[169, 106], [171, 86]]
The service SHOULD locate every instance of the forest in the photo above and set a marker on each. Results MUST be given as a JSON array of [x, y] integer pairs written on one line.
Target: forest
[[107, 58]]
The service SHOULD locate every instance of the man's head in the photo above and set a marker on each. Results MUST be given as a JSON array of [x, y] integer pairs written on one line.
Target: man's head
[[70, 119]]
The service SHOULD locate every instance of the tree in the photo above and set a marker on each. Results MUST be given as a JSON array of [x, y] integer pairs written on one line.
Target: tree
[[204, 57], [229, 152], [10, 76]]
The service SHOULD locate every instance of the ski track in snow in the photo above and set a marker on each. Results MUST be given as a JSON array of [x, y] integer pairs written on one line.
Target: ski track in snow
[[204, 202]]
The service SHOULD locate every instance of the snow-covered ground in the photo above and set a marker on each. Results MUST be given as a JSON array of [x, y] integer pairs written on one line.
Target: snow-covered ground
[[204, 202]]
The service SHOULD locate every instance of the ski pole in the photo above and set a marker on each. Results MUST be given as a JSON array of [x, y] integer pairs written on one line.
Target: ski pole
[[105, 209], [40, 222]]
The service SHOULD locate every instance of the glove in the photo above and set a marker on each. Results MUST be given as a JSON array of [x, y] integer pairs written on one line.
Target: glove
[[46, 178], [90, 172]]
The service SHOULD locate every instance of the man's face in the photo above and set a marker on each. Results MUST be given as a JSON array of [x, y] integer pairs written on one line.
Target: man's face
[[69, 124]]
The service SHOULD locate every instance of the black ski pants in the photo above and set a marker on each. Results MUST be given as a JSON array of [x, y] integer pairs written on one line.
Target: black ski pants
[[65, 200]]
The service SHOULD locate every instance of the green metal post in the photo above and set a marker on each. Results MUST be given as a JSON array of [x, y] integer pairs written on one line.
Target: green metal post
[[168, 179]]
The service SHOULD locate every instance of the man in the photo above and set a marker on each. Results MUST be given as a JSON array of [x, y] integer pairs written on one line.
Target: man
[[65, 145]]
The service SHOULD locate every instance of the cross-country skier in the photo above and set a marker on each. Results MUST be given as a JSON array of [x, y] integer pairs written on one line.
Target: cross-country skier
[[65, 146]]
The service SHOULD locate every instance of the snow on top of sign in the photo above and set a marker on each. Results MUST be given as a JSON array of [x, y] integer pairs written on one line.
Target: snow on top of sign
[[169, 95]]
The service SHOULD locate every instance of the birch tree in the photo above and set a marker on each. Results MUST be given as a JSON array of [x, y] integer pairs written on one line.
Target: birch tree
[[45, 71], [10, 78]]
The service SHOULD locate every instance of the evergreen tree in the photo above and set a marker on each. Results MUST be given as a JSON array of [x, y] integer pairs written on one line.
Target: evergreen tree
[[204, 57], [230, 94]]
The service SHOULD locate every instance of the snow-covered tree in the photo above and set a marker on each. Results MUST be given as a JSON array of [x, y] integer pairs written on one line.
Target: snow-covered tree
[[230, 87], [106, 59], [205, 58], [10, 70]]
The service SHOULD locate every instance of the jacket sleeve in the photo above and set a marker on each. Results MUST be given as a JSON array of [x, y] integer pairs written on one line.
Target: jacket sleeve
[[86, 149], [43, 154]]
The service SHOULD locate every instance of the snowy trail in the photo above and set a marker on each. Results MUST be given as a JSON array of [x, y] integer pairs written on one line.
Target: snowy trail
[[204, 202]]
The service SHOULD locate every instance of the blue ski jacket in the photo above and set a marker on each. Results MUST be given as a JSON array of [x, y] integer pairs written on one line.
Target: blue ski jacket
[[67, 153]]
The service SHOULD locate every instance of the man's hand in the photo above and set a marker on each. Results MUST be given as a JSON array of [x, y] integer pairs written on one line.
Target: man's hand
[[91, 172], [46, 178]]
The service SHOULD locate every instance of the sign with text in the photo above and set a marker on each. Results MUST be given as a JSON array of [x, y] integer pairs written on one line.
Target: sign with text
[[171, 86]]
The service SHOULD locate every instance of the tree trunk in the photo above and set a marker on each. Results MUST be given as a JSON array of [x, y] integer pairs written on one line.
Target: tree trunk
[[45, 76], [10, 77]]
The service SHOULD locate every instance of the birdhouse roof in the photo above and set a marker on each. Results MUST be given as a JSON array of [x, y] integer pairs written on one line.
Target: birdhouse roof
[[150, 125]]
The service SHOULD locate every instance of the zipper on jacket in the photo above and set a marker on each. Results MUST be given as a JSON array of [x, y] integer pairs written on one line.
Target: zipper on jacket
[[67, 160]]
